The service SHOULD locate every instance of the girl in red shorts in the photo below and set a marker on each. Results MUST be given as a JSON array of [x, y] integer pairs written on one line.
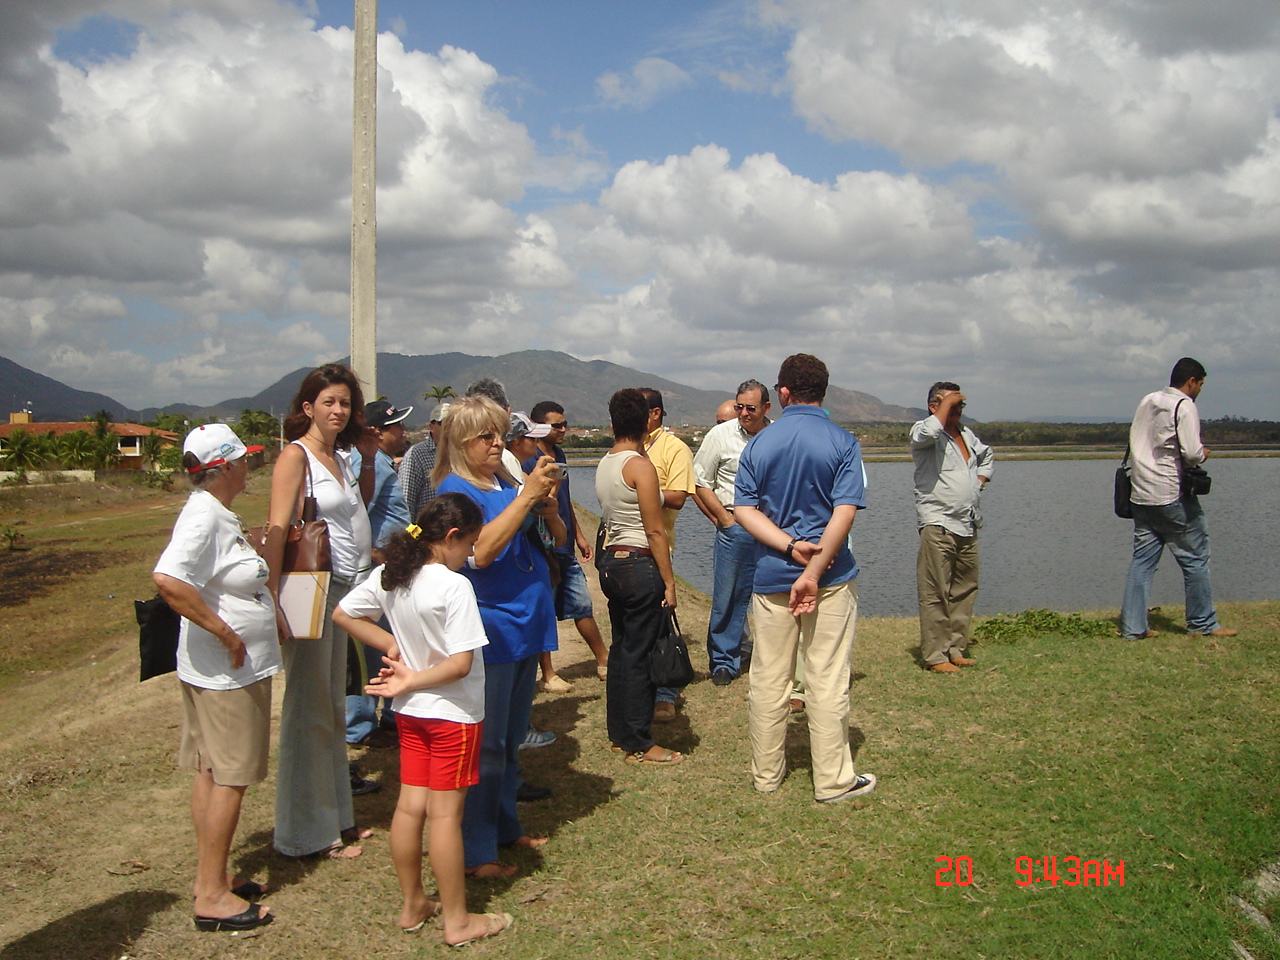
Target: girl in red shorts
[[436, 678]]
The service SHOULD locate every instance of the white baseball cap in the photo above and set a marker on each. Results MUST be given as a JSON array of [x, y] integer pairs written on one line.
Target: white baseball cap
[[213, 445]]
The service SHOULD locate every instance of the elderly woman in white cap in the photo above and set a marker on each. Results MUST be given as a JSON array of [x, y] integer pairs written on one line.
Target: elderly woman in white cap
[[228, 652]]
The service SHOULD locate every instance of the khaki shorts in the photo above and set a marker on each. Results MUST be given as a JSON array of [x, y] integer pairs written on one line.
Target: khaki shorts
[[227, 731]]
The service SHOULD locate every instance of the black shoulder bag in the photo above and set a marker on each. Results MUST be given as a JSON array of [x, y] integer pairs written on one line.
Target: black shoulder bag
[[1196, 481]]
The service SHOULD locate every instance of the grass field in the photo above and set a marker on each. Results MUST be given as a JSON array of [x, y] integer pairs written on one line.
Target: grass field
[[1160, 754]]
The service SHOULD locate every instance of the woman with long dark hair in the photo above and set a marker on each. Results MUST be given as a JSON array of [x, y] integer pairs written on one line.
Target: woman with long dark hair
[[635, 576], [314, 813]]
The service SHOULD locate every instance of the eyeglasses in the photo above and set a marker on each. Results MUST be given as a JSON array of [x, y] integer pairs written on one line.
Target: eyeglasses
[[488, 438], [749, 407]]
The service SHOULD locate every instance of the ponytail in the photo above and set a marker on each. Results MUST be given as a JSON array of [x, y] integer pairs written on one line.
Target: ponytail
[[408, 551]]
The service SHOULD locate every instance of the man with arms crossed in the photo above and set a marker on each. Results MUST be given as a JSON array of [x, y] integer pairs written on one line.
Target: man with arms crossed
[[1164, 514], [734, 561], [952, 467], [798, 489]]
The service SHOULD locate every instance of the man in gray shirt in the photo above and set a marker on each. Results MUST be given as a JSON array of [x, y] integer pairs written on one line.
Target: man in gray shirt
[[952, 467]]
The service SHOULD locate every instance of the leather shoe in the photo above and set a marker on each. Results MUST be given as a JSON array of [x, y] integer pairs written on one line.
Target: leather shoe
[[528, 793], [963, 661], [722, 677], [944, 667]]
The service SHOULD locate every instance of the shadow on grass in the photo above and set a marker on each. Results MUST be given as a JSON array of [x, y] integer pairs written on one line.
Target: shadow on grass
[[798, 755], [99, 931]]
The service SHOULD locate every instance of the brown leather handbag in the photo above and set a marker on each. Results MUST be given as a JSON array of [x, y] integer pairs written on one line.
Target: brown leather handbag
[[306, 545]]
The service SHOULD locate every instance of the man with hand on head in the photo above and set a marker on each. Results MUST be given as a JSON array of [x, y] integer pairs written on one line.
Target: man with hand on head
[[952, 467]]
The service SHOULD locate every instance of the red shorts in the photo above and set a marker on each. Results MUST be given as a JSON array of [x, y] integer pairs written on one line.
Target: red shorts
[[438, 754]]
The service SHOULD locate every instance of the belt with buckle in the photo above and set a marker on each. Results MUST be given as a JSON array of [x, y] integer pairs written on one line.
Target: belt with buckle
[[624, 551]]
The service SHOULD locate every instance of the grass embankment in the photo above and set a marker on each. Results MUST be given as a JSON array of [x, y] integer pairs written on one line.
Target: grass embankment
[[1159, 754]]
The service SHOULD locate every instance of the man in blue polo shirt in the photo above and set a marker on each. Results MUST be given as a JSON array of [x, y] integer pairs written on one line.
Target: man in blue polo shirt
[[798, 488]]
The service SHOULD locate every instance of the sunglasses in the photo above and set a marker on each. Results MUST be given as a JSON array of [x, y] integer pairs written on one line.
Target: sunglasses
[[488, 438], [749, 407], [559, 426]]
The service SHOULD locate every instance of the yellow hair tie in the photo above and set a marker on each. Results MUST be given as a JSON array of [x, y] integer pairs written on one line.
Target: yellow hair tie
[[413, 530]]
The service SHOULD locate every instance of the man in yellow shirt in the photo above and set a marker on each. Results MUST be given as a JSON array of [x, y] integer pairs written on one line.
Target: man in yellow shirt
[[673, 460]]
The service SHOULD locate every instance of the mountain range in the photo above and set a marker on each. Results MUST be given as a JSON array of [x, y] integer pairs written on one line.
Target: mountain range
[[582, 387]]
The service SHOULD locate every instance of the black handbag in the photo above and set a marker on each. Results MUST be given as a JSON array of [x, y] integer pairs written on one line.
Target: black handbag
[[669, 664], [158, 627], [1124, 489]]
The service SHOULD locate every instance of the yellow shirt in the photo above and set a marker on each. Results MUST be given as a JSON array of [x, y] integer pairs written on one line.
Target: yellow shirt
[[673, 460]]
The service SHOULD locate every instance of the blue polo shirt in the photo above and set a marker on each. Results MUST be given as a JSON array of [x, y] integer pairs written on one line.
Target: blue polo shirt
[[387, 511], [795, 473]]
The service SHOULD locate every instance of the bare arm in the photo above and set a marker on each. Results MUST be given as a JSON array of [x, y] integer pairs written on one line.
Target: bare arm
[[804, 592], [367, 632], [286, 484], [714, 510], [187, 602], [396, 678], [639, 473], [502, 529], [368, 447]]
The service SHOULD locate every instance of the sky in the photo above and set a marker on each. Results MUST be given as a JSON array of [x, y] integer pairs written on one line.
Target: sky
[[1047, 202]]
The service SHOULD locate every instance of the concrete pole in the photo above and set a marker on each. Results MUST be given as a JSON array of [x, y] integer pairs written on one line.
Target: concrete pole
[[364, 221]]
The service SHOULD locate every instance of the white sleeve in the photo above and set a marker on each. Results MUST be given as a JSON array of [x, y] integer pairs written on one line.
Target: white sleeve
[[366, 600], [463, 627]]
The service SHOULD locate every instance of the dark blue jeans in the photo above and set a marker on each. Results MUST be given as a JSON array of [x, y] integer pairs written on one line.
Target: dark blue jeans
[[635, 592], [735, 568]]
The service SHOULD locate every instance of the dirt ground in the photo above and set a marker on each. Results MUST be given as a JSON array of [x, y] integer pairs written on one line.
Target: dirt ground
[[96, 848]]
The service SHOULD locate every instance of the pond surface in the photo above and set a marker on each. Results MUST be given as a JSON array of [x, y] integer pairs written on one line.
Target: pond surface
[[1050, 538]]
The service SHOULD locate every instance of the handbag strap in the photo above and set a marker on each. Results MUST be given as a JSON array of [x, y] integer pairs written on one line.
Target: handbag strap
[[306, 491]]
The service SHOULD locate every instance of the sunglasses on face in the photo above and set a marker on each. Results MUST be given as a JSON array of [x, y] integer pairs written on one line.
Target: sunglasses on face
[[559, 426], [488, 438], [749, 407]]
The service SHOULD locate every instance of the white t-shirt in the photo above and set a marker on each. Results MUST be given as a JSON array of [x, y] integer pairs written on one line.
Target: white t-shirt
[[208, 550], [433, 618]]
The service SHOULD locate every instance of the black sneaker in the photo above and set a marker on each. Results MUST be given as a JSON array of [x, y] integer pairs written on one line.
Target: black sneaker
[[528, 793], [722, 677], [862, 784], [361, 786]]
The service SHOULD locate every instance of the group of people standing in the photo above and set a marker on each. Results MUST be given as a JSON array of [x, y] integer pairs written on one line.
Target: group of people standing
[[462, 609]]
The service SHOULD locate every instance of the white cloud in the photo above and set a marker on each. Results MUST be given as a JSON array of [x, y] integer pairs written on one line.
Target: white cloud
[[648, 81], [1105, 127]]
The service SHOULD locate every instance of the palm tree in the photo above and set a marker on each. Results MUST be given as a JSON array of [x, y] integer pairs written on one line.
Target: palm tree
[[152, 445], [256, 424], [102, 424], [439, 394], [76, 449], [106, 451], [24, 451]]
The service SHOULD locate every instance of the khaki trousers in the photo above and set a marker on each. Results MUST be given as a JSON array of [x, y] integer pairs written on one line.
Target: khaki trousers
[[946, 587], [824, 640]]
